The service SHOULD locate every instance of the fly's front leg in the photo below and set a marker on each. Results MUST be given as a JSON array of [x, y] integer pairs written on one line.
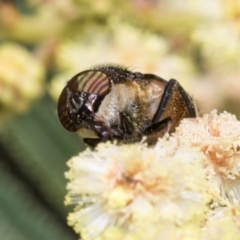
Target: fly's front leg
[[101, 130], [104, 133], [92, 142]]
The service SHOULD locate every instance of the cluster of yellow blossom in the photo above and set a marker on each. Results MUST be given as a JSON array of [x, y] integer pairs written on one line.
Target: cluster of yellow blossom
[[201, 54], [21, 78], [221, 55], [185, 187]]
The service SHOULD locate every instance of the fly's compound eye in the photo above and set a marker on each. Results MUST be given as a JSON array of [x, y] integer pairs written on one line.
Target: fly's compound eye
[[81, 98]]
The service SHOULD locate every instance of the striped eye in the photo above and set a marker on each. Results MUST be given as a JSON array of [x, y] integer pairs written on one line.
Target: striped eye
[[92, 82], [81, 97]]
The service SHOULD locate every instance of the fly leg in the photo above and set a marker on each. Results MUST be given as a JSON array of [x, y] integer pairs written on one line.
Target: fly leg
[[92, 142], [162, 126], [101, 130]]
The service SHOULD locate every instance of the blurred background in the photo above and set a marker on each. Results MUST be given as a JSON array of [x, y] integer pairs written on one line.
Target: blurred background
[[43, 43]]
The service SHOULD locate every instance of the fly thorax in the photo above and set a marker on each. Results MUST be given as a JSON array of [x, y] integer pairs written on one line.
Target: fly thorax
[[124, 98]]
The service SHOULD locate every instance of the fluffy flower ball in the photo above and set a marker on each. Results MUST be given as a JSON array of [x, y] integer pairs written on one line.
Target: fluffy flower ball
[[21, 78], [127, 185], [218, 137], [185, 187]]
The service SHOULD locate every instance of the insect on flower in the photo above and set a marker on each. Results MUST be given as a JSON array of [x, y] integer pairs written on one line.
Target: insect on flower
[[110, 102]]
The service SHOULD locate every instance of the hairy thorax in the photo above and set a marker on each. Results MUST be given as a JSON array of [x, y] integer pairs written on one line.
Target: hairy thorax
[[138, 103]]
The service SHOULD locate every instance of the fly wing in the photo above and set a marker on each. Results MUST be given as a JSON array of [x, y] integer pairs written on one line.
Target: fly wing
[[176, 104], [155, 86]]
